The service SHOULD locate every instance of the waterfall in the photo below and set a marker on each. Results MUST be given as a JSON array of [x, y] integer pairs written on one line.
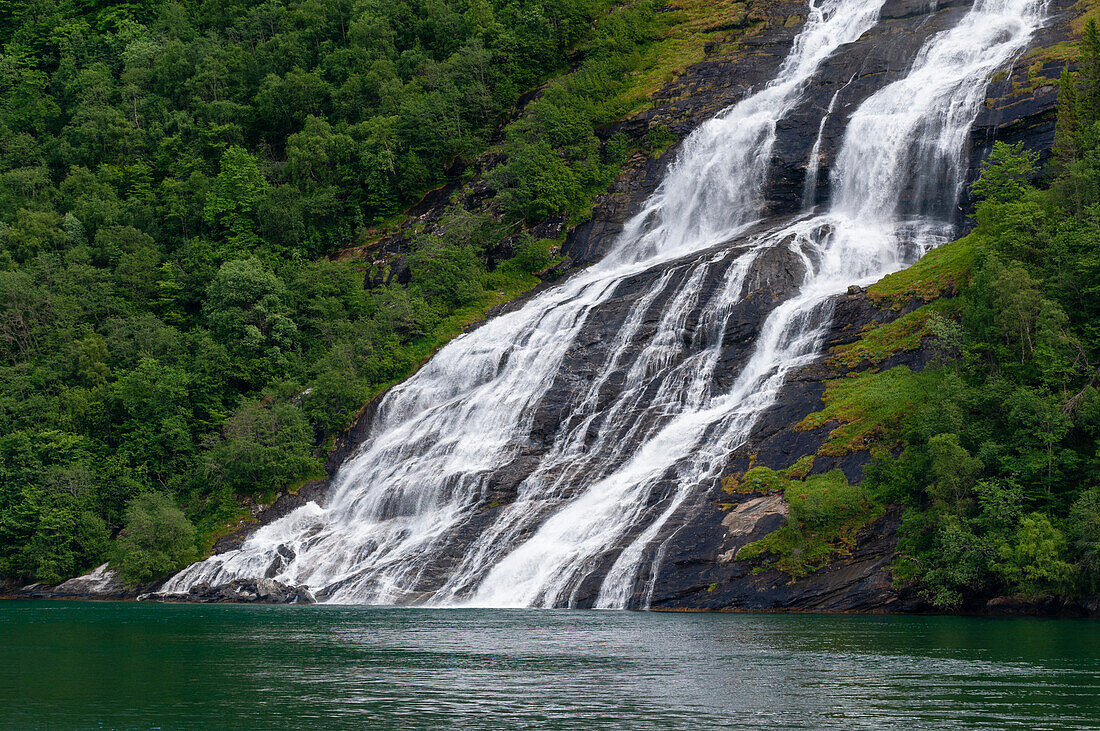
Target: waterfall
[[653, 428]]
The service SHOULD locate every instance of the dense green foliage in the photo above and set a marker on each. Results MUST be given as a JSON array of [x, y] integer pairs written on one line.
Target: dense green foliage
[[1001, 471], [157, 538], [172, 175]]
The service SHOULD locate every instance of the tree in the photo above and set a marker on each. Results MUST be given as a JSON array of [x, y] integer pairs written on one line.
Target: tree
[[157, 540], [1090, 71], [263, 448], [233, 198], [1085, 533], [953, 471], [446, 266], [1068, 125], [1033, 563], [245, 306], [961, 566], [1006, 174]]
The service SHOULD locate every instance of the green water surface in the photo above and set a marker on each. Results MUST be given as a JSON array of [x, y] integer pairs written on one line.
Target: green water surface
[[126, 665]]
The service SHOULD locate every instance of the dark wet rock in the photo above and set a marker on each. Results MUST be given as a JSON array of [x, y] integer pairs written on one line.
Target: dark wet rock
[[1021, 103], [701, 570], [698, 578], [244, 591], [1047, 606], [33, 591]]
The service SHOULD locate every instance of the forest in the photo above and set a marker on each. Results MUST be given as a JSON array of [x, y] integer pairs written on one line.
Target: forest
[[175, 337], [1001, 471]]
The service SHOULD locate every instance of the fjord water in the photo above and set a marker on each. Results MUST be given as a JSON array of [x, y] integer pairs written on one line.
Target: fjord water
[[621, 474], [125, 665]]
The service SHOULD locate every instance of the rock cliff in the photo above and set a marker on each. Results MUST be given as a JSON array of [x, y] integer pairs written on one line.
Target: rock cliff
[[700, 570]]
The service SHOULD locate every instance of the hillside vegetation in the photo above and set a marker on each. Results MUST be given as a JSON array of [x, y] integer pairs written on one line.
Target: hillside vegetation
[[173, 176]]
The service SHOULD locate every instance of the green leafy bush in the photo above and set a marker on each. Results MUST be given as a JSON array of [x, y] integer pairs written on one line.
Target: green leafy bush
[[264, 447], [1000, 459], [157, 539]]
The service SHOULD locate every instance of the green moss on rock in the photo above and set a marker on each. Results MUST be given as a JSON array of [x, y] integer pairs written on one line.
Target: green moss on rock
[[867, 408], [944, 269], [826, 514], [902, 335]]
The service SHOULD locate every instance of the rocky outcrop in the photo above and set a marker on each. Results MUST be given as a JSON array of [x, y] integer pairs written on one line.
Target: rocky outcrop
[[701, 571], [1019, 606], [104, 584], [859, 582], [101, 583], [755, 516], [248, 591]]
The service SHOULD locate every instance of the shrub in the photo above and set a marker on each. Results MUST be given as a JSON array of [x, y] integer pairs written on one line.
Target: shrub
[[264, 447], [1034, 564], [157, 540]]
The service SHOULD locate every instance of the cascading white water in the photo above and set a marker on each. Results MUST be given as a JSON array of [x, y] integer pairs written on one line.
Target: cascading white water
[[913, 130], [439, 436]]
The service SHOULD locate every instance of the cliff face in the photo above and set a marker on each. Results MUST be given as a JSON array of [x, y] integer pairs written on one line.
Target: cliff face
[[700, 571], [745, 58]]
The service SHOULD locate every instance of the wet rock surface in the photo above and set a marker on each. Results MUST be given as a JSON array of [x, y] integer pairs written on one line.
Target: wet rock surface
[[245, 591], [700, 570], [860, 582]]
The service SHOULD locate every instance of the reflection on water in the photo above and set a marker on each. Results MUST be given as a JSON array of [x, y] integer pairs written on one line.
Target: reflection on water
[[106, 665]]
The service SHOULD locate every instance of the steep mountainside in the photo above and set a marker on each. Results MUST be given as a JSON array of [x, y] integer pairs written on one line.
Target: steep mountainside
[[718, 545]]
